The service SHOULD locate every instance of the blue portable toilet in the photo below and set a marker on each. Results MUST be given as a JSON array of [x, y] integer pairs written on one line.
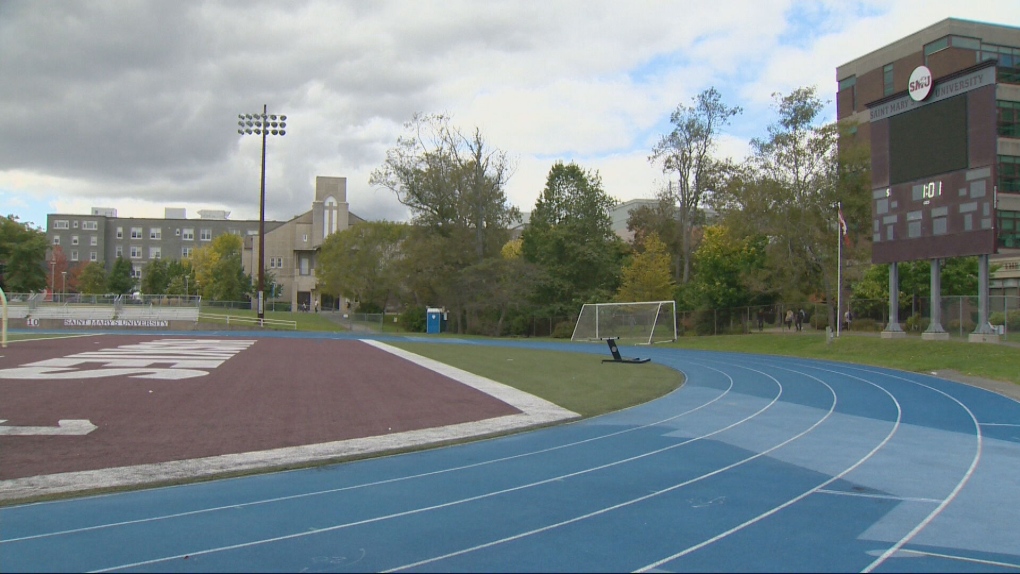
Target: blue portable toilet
[[433, 320]]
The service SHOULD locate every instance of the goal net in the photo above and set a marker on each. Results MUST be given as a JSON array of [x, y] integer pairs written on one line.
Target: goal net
[[641, 323]]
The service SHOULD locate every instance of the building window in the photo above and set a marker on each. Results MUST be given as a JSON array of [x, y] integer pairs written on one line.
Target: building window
[[276, 262], [136, 272], [136, 252], [119, 251], [56, 240], [75, 224], [93, 256], [1008, 65], [188, 234], [305, 265], [1009, 174], [89, 225], [93, 240], [74, 240], [60, 224], [304, 238], [185, 252], [1008, 118], [1009, 229], [136, 233], [155, 233], [887, 79], [155, 252], [74, 255], [850, 84], [120, 233], [206, 235]]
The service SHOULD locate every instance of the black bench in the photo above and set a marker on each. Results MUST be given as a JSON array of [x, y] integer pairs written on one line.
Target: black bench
[[615, 351]]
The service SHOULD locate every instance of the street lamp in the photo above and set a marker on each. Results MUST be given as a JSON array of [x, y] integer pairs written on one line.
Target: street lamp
[[53, 276], [262, 124]]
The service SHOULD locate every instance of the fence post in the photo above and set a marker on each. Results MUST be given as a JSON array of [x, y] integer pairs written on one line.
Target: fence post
[[715, 321]]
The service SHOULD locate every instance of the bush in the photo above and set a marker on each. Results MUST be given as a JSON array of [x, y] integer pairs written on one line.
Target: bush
[[865, 325], [968, 325], [819, 320], [414, 320], [917, 323], [563, 330], [1011, 320]]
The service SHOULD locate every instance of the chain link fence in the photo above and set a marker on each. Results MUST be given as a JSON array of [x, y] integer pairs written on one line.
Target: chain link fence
[[959, 317]]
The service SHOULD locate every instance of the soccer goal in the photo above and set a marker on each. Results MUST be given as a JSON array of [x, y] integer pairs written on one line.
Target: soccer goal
[[640, 323]]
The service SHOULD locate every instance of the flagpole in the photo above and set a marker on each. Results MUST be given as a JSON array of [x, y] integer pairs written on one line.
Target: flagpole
[[839, 266]]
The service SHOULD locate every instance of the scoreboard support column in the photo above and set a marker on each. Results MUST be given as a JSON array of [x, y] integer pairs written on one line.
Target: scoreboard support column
[[984, 332], [892, 328], [935, 332]]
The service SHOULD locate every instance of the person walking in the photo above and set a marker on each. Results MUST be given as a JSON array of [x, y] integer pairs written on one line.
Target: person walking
[[800, 320], [789, 319], [761, 320]]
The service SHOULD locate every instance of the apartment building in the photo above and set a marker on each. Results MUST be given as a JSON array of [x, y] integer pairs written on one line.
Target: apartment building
[[291, 246]]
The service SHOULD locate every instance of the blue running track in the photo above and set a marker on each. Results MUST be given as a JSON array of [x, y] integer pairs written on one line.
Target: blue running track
[[755, 464]]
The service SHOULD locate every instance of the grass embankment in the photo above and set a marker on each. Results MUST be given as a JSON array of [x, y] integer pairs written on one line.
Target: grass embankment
[[989, 361], [576, 381]]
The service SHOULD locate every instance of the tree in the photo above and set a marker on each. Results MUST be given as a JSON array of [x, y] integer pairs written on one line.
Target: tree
[[22, 256], [362, 262], [724, 262], [661, 220], [649, 275], [686, 154], [181, 278], [454, 185], [788, 191], [155, 277], [218, 269], [570, 236], [92, 279], [120, 279], [451, 182]]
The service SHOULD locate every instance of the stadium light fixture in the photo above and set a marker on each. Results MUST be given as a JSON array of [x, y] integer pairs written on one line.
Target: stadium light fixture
[[263, 124]]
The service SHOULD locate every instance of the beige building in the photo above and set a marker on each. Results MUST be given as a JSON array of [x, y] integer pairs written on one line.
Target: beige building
[[292, 248]]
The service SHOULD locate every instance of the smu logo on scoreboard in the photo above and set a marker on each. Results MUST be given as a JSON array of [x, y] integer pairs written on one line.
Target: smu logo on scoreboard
[[920, 83]]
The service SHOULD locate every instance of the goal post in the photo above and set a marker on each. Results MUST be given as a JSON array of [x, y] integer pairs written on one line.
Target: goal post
[[646, 322]]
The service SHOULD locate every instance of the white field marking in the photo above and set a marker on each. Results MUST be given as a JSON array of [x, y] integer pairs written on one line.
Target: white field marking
[[952, 495], [72, 481], [446, 504], [370, 484], [962, 558], [526, 402], [187, 358], [1000, 425], [880, 496], [862, 460], [648, 496], [66, 427]]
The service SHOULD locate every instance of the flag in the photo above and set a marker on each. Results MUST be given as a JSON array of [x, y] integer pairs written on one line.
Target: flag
[[842, 226]]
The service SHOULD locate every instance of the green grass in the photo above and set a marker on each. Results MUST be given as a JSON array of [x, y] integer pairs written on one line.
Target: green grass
[[576, 381], [989, 361]]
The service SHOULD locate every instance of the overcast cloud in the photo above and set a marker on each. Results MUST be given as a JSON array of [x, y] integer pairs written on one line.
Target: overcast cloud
[[134, 105]]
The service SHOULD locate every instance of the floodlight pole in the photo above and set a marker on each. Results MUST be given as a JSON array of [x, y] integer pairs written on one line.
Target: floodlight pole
[[262, 124]]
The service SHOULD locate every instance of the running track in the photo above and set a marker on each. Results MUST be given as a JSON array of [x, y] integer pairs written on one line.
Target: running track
[[755, 464]]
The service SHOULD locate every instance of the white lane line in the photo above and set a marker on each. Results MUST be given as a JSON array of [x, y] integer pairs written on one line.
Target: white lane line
[[880, 496], [1015, 566], [447, 504], [633, 501], [952, 495], [380, 482], [862, 460]]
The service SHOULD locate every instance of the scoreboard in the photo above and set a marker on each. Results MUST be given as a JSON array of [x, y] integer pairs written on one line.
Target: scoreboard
[[949, 215], [934, 169]]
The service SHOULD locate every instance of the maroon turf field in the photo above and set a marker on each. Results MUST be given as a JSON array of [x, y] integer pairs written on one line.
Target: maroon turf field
[[274, 393]]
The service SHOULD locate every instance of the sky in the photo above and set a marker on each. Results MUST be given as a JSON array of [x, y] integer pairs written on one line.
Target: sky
[[133, 104]]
